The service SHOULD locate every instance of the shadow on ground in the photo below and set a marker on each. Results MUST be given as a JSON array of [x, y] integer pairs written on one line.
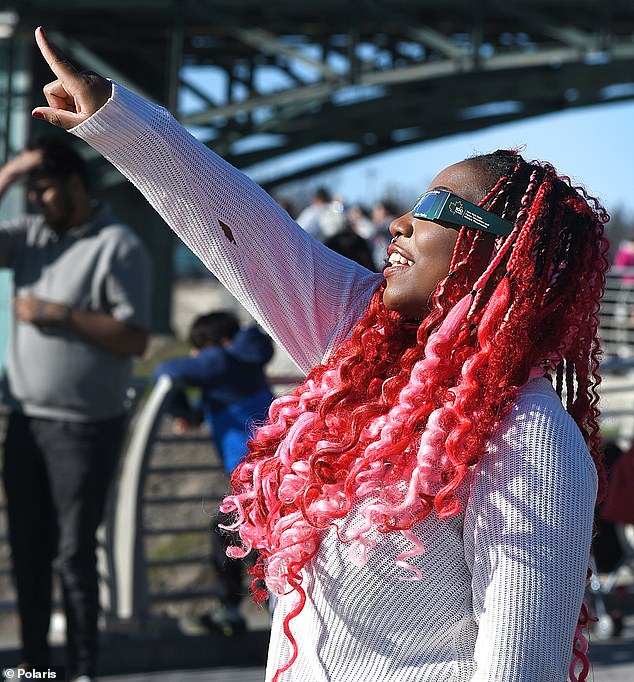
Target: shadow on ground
[[128, 654]]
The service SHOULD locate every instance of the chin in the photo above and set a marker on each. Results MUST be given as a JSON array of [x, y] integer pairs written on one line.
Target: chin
[[396, 303], [389, 300], [415, 310]]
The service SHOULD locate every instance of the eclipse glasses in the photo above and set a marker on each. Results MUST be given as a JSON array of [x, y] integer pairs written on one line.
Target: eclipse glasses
[[439, 205]]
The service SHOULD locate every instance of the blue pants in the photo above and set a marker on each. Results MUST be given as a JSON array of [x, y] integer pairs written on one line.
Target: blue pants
[[56, 478]]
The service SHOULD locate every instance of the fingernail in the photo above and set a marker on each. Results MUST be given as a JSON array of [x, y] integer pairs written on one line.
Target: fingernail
[[37, 114]]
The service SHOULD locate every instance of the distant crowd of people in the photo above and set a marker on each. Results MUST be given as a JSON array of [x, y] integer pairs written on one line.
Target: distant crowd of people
[[358, 232]]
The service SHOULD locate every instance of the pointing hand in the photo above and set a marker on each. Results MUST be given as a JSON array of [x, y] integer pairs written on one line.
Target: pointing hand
[[74, 95]]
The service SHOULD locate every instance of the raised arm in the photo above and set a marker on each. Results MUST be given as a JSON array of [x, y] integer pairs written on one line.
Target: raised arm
[[307, 297], [18, 168]]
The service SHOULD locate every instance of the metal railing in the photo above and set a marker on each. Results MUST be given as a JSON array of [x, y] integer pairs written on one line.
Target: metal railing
[[616, 316], [136, 522], [129, 585]]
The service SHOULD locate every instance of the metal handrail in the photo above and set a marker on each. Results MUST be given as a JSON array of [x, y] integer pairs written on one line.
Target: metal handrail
[[132, 596], [130, 582], [616, 315]]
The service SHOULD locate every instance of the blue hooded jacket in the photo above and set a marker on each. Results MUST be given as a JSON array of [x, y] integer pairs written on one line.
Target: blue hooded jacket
[[234, 389]]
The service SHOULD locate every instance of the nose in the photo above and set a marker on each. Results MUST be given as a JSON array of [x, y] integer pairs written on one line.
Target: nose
[[402, 226]]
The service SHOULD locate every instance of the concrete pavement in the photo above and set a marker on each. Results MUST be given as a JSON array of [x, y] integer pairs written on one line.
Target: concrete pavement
[[612, 661], [598, 674]]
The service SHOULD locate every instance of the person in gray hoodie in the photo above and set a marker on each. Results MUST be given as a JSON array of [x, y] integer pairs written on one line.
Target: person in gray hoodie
[[81, 312]]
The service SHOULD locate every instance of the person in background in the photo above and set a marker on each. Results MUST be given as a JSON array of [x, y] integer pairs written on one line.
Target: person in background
[[624, 260], [607, 550], [618, 326], [227, 365], [383, 213], [352, 246], [287, 204], [81, 312], [310, 217], [333, 220], [358, 218]]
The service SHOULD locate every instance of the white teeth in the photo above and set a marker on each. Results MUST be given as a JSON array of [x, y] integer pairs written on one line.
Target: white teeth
[[397, 259]]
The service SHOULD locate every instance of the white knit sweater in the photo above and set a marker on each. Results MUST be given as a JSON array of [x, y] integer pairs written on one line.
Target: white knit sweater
[[503, 582]]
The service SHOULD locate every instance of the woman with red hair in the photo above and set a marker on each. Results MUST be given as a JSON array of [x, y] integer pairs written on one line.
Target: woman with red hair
[[422, 504]]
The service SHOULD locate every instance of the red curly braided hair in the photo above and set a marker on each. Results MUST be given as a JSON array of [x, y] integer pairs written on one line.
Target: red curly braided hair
[[403, 409]]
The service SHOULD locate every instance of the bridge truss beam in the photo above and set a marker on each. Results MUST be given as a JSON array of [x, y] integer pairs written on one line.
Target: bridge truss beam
[[259, 81]]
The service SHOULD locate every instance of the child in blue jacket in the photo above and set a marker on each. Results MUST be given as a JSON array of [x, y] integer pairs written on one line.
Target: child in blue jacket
[[227, 364]]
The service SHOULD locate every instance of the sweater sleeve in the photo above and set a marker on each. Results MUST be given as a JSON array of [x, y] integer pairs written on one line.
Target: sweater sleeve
[[528, 527], [305, 295]]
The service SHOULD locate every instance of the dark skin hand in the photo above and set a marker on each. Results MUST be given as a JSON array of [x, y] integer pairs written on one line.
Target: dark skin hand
[[102, 329], [74, 96], [39, 311]]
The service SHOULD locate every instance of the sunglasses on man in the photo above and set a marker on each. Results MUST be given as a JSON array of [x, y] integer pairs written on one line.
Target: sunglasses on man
[[439, 205]]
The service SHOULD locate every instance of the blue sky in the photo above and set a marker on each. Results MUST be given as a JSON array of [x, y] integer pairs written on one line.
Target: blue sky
[[594, 145]]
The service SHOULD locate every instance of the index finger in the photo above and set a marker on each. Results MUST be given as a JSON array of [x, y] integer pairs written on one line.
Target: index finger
[[59, 65]]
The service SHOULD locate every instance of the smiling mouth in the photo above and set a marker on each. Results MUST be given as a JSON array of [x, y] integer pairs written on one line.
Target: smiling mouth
[[396, 260]]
